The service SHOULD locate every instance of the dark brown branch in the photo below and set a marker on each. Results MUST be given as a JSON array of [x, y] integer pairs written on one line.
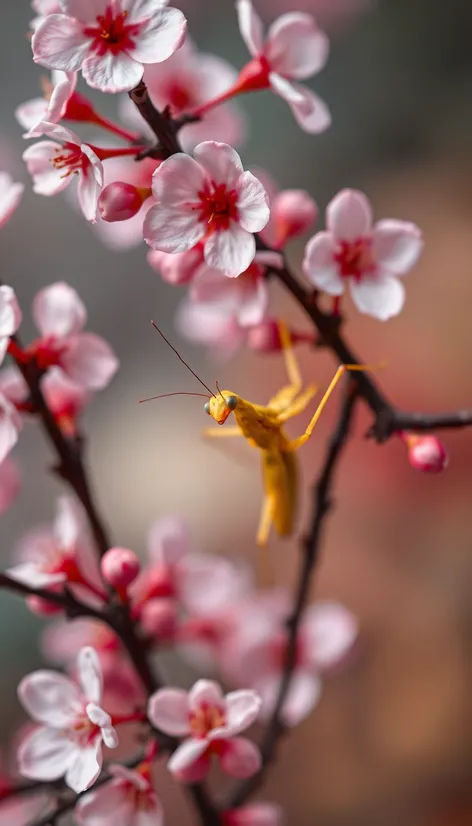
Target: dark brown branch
[[164, 127], [73, 608], [322, 503]]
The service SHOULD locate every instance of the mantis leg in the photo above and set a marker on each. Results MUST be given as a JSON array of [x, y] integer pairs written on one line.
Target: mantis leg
[[299, 404], [265, 522], [296, 443], [291, 363], [224, 433]]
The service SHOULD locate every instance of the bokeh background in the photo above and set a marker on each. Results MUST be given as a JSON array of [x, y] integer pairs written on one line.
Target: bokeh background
[[391, 740]]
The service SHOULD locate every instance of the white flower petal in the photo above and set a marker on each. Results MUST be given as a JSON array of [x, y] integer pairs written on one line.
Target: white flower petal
[[231, 250], [50, 697], [111, 72], [206, 692], [186, 754], [90, 184], [31, 113], [59, 42], [89, 361], [168, 710], [90, 674], [296, 48], [85, 767], [349, 215], [241, 758], [250, 26], [172, 229], [396, 245], [328, 632], [177, 181], [29, 573], [303, 695], [252, 204], [168, 541], [220, 161], [320, 266], [45, 754], [10, 197], [381, 296], [58, 310], [47, 180], [242, 709], [10, 313], [310, 112], [163, 33]]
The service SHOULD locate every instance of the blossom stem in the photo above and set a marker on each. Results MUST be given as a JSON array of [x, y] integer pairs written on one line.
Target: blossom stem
[[132, 137], [136, 717], [117, 152]]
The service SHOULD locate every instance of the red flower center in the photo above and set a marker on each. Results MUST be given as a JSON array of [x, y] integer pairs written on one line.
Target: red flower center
[[217, 206], [70, 158], [205, 718], [178, 97], [112, 33], [354, 258]]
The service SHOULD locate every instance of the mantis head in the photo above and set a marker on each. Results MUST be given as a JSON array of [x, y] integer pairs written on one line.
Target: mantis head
[[219, 407]]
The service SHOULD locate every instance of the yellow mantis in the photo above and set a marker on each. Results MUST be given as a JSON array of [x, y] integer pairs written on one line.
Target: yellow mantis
[[262, 427]]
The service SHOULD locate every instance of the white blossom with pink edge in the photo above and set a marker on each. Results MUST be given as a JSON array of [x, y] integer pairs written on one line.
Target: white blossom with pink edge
[[256, 653], [10, 317], [72, 728], [52, 164], [52, 556], [50, 108], [129, 799], [10, 483], [10, 426], [10, 196], [254, 814], [369, 257], [109, 40], [211, 722], [294, 49], [60, 316], [184, 82], [208, 198]]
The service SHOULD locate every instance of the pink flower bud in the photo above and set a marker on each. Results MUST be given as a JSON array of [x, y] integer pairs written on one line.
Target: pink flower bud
[[255, 814], [159, 619], [426, 453], [295, 212], [120, 201], [120, 567], [41, 607], [265, 337]]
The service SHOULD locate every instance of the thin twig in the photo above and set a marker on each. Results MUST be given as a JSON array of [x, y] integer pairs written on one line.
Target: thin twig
[[165, 128], [322, 503]]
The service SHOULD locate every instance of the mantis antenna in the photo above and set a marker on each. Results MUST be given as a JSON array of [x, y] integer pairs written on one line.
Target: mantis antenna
[[166, 395], [181, 359]]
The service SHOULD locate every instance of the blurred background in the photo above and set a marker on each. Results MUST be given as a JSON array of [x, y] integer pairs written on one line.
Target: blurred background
[[391, 740]]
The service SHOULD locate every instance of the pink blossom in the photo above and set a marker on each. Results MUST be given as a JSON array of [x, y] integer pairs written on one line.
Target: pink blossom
[[10, 483], [369, 257], [119, 567], [10, 426], [204, 324], [294, 49], [10, 316], [60, 317], [184, 82], [52, 556], [109, 40], [10, 196], [52, 165], [292, 213], [168, 548], [43, 8], [129, 799], [177, 268], [254, 814], [72, 726], [208, 198], [211, 723], [255, 655], [50, 108], [426, 452]]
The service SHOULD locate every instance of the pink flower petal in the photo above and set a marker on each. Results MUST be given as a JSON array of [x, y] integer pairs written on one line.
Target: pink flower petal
[[349, 215], [177, 268], [68, 525], [319, 265], [195, 772], [255, 814], [253, 203], [47, 180], [171, 229], [30, 114], [10, 197], [129, 776], [163, 33], [61, 93], [50, 698], [186, 755], [10, 313], [90, 184], [396, 245], [59, 42], [168, 710], [10, 483], [60, 133], [86, 11], [85, 767], [250, 26], [310, 112], [10, 424], [58, 310], [111, 72], [231, 250], [304, 693], [30, 573], [295, 47], [381, 296], [110, 802], [329, 631], [168, 541], [177, 181], [242, 710], [220, 161], [241, 758], [205, 691], [90, 674], [89, 361], [45, 754]]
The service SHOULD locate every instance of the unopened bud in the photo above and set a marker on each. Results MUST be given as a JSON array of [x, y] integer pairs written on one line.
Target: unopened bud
[[159, 619], [265, 337], [426, 453], [120, 567], [120, 201], [294, 212]]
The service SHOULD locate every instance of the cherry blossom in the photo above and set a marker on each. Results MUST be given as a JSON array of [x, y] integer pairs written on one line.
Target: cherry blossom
[[52, 556], [370, 258], [109, 40], [10, 426], [168, 549], [211, 723], [60, 317], [256, 652], [10, 317], [10, 196], [52, 164], [184, 82], [10, 482], [292, 213], [51, 108], [211, 198], [72, 727], [205, 325], [129, 799], [254, 814], [178, 268], [43, 8]]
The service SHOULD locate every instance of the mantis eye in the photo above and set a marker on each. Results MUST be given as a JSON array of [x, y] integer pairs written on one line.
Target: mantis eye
[[207, 408], [231, 402]]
